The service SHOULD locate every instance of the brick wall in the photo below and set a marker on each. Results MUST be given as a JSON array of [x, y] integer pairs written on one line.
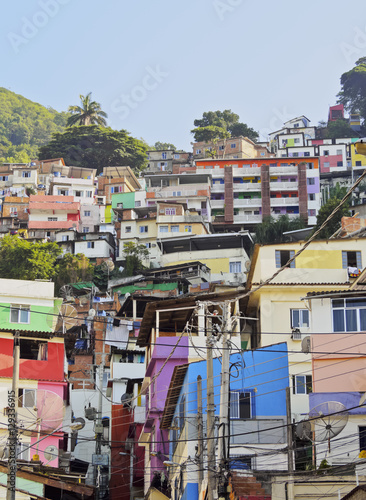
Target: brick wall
[[229, 195], [265, 188], [303, 193]]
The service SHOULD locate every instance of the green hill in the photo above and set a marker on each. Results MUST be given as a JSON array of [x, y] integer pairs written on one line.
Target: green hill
[[24, 126]]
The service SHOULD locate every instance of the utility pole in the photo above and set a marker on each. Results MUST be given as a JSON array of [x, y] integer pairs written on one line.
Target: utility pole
[[13, 396], [225, 387], [199, 432], [290, 445], [211, 480], [98, 426]]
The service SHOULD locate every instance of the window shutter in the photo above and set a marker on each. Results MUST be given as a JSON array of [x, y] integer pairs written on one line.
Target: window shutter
[[278, 258], [293, 385], [359, 262], [292, 253], [344, 259]]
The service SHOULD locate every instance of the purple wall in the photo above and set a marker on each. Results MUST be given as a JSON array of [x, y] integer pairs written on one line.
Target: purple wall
[[349, 399], [313, 188]]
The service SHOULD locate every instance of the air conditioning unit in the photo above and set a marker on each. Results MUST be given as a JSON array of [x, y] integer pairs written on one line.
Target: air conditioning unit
[[296, 334]]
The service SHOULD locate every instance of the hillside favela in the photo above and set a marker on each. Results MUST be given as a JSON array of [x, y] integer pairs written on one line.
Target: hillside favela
[[185, 324]]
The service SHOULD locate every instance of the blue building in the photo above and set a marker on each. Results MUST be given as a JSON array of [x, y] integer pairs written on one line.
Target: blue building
[[257, 410]]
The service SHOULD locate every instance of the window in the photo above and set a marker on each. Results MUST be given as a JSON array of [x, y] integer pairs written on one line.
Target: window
[[358, 163], [174, 229], [306, 153], [187, 229], [177, 193], [283, 256], [87, 213], [263, 154], [326, 153], [176, 156], [90, 244], [326, 164], [19, 314], [65, 237], [63, 192], [127, 229], [362, 437], [339, 163], [311, 212], [79, 193], [138, 203], [233, 145], [144, 229], [27, 398], [235, 267], [295, 154], [221, 148], [170, 211], [52, 219], [311, 197], [26, 174], [116, 189], [182, 412], [164, 229], [85, 229], [163, 155], [13, 210], [296, 140], [351, 259], [311, 181], [349, 315], [296, 125], [302, 384], [33, 349], [240, 405], [299, 318], [89, 194], [198, 151], [339, 152]]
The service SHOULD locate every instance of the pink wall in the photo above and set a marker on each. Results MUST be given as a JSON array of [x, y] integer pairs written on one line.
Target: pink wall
[[342, 371]]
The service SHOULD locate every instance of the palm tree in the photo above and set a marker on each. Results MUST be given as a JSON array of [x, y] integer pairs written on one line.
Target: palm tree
[[89, 113]]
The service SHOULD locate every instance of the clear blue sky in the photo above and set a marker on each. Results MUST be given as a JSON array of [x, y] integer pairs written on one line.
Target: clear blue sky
[[156, 65]]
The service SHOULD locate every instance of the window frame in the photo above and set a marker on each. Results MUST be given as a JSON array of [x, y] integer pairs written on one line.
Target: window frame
[[19, 308], [278, 258], [301, 322], [241, 395], [348, 320], [306, 384]]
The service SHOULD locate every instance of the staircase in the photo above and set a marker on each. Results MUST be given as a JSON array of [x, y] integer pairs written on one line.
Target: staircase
[[246, 487]]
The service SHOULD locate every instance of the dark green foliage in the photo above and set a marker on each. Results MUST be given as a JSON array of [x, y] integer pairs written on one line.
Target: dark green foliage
[[96, 147], [271, 230], [339, 129], [26, 260], [220, 125], [134, 253], [353, 89], [335, 223], [73, 269], [160, 146], [24, 126]]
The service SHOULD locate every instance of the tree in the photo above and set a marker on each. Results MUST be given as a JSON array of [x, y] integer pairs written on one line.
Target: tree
[[223, 122], [271, 230], [353, 89], [73, 269], [26, 260], [89, 113], [96, 147], [338, 129], [160, 146], [211, 133], [134, 253], [335, 223]]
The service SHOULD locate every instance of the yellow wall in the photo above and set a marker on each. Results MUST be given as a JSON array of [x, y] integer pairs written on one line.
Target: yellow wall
[[357, 157]]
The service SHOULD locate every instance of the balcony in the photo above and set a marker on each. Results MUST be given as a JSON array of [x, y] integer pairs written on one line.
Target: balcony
[[238, 219], [247, 172], [276, 186], [247, 186], [242, 203], [168, 192], [290, 170], [281, 202]]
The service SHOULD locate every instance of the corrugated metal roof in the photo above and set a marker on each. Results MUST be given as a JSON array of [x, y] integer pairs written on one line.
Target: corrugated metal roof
[[173, 395]]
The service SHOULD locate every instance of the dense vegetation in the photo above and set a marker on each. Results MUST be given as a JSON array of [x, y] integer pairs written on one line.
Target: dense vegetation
[[24, 126]]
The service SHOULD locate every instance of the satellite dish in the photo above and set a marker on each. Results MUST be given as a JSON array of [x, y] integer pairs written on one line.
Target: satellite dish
[[92, 313], [107, 265], [67, 293], [50, 453], [303, 430], [306, 345], [126, 400], [328, 420], [67, 318]]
